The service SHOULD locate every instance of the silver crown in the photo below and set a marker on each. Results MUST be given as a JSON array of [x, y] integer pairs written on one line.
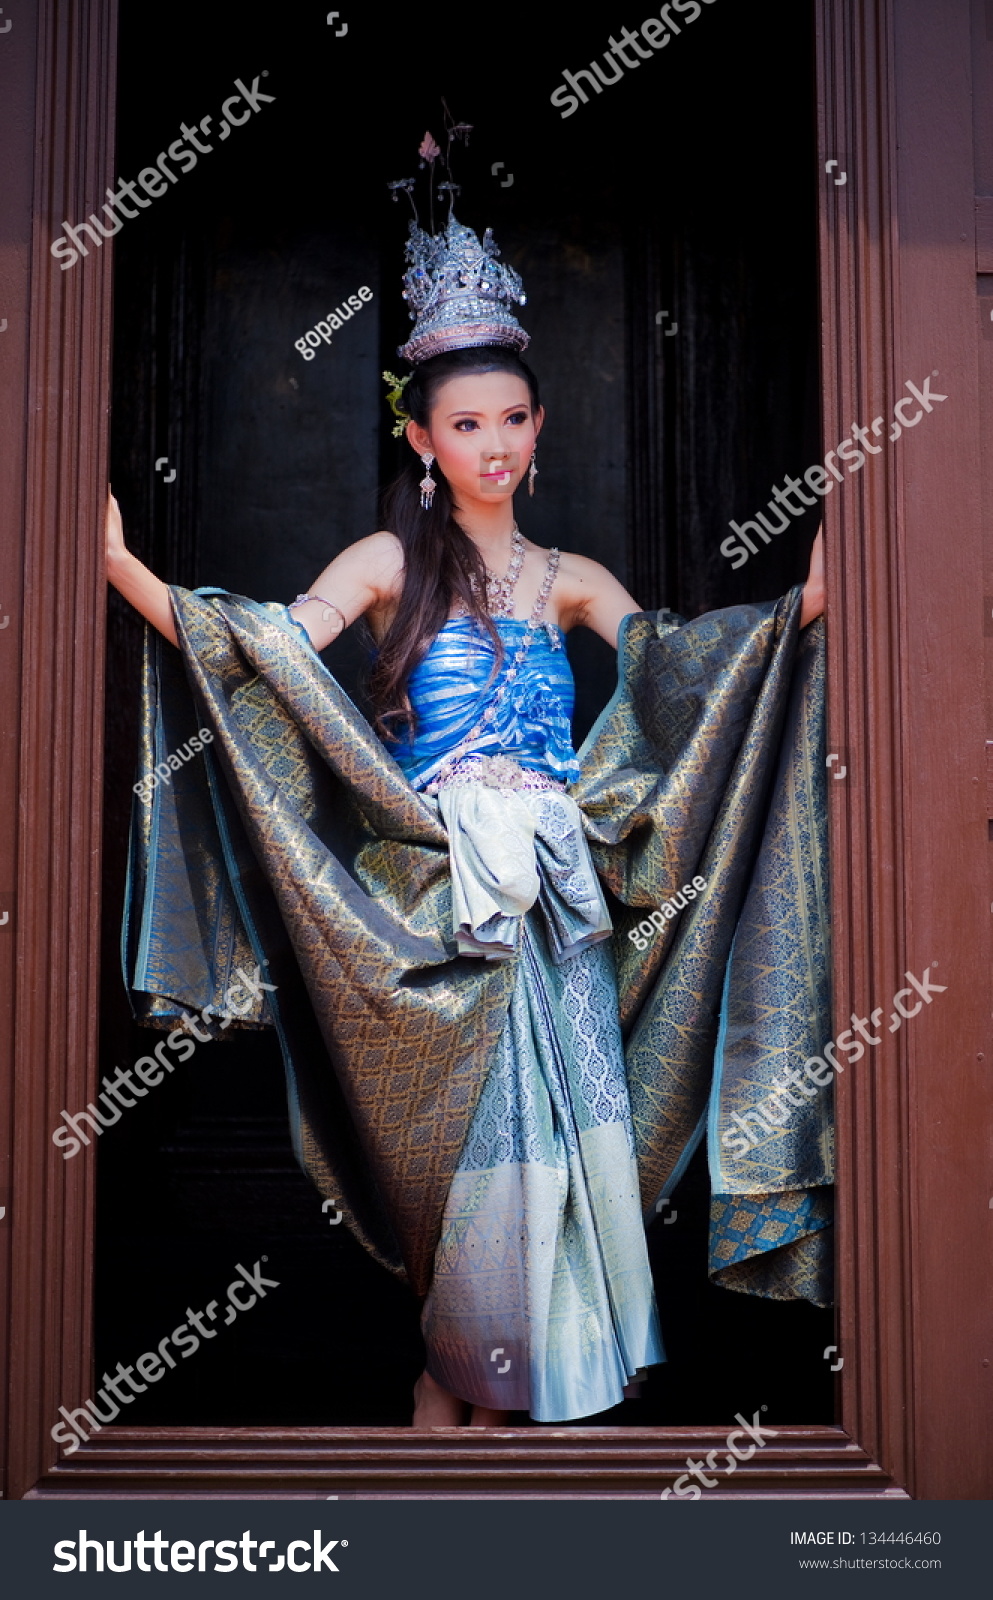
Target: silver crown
[[458, 292]]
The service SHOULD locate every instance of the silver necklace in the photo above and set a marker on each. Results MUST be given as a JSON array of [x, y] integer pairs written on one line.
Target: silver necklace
[[500, 591]]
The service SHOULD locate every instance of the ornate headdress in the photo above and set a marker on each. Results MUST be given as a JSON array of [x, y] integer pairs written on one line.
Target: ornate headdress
[[459, 292], [457, 289]]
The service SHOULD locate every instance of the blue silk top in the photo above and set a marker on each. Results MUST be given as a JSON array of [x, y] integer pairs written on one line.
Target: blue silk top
[[450, 689]]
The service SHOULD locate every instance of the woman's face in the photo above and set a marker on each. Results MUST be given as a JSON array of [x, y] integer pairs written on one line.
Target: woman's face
[[482, 435]]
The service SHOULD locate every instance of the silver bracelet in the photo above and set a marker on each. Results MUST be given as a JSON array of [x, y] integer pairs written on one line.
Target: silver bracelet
[[301, 598]]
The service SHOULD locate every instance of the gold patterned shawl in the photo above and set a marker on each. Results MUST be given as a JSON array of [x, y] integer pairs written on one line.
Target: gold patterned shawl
[[297, 843], [709, 762]]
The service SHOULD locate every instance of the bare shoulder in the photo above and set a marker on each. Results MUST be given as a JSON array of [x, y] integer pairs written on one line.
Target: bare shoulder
[[583, 580], [583, 570], [590, 596], [370, 572], [380, 552]]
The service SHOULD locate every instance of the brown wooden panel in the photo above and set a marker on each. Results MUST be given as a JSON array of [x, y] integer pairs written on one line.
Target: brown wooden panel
[[16, 116], [60, 691], [948, 922], [984, 233], [857, 255], [399, 1463], [905, 675]]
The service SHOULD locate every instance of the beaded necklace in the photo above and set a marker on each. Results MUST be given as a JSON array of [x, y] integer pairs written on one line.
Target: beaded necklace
[[500, 591]]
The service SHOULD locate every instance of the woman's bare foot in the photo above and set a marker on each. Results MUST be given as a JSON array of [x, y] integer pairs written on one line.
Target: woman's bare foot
[[486, 1417], [434, 1407]]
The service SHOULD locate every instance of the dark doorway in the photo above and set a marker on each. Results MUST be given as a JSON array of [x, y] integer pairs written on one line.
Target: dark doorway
[[684, 188]]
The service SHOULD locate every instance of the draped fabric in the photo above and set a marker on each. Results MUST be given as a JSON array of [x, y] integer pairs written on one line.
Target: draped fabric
[[710, 763], [510, 849], [297, 843]]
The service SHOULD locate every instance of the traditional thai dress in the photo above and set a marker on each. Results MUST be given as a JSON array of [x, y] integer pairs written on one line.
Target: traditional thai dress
[[493, 1072], [541, 1296]]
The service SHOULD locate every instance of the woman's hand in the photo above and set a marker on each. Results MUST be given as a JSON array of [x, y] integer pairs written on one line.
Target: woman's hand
[[147, 593], [114, 529], [813, 589]]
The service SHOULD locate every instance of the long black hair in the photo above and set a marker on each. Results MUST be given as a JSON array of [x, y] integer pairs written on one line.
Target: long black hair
[[441, 563]]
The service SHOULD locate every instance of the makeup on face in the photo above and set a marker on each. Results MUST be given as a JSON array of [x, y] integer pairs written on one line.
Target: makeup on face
[[482, 433]]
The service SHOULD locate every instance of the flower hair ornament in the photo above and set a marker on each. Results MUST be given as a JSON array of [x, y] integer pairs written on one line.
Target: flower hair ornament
[[394, 399]]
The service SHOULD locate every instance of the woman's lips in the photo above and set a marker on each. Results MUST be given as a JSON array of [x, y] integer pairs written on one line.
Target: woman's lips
[[499, 472]]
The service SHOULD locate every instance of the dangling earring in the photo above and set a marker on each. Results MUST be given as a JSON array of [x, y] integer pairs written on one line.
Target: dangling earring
[[427, 484], [532, 473]]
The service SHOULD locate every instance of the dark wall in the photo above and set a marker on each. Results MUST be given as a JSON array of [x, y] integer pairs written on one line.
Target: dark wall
[[686, 187]]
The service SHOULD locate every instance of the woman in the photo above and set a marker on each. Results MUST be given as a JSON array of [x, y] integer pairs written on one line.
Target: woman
[[540, 1296]]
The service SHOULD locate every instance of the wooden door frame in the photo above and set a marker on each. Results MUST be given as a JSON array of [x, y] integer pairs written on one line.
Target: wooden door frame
[[912, 1400]]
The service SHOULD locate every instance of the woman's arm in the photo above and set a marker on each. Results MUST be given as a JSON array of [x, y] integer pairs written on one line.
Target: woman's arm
[[367, 576], [591, 597], [813, 589], [131, 578], [363, 577]]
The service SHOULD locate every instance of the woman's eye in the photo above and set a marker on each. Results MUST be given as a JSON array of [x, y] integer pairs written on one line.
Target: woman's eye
[[466, 424], [518, 417]]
